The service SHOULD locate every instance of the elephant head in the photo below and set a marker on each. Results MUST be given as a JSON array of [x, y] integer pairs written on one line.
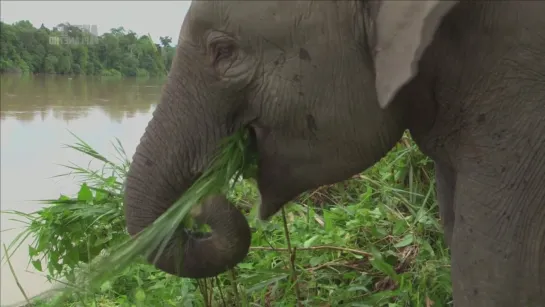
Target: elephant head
[[306, 77]]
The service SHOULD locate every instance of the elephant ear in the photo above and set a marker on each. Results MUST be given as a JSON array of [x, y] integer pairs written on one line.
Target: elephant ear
[[403, 30]]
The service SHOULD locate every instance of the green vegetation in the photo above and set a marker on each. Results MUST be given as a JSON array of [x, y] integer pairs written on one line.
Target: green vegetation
[[373, 240], [71, 50]]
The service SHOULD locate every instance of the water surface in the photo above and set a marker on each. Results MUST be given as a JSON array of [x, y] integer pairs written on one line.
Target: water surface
[[36, 115]]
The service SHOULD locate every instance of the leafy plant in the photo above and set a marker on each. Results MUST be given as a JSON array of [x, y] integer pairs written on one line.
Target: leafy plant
[[373, 240], [69, 231]]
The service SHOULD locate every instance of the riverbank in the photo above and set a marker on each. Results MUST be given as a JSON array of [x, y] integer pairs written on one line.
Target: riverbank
[[111, 75], [36, 115], [375, 238]]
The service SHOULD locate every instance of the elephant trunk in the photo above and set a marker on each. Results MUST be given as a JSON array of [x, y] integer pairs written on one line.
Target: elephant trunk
[[176, 146]]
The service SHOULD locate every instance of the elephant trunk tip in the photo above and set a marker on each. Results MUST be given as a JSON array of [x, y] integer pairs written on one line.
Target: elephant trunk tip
[[205, 255]]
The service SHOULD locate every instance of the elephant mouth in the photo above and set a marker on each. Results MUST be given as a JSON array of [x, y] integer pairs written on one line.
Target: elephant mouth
[[270, 172], [251, 154], [252, 139]]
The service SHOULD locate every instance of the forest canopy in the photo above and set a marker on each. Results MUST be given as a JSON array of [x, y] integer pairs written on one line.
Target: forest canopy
[[72, 50]]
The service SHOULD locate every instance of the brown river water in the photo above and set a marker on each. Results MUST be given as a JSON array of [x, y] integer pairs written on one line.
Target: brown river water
[[37, 115]]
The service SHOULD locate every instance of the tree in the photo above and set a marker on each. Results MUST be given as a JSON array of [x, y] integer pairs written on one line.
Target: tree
[[165, 41], [68, 49]]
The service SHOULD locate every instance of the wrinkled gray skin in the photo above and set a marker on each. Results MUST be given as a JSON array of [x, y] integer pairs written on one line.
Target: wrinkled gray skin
[[328, 87]]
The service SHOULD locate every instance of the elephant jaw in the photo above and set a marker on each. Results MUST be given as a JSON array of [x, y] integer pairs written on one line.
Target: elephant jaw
[[270, 204], [270, 177], [274, 188]]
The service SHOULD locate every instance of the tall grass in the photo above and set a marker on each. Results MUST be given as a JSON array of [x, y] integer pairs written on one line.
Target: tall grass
[[373, 240]]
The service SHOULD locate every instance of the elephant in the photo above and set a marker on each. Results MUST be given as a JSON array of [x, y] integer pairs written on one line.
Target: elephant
[[326, 89]]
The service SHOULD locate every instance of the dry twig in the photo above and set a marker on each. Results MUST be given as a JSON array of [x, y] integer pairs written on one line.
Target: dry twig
[[15, 276], [320, 247], [292, 259]]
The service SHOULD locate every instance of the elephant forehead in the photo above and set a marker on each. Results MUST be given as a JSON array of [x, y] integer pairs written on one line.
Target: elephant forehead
[[240, 17], [273, 20], [221, 13]]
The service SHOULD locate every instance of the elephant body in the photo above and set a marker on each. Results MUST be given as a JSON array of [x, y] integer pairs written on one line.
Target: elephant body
[[328, 88], [486, 78]]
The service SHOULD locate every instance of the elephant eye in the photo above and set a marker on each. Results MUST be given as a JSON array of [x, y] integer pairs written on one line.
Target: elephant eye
[[223, 51]]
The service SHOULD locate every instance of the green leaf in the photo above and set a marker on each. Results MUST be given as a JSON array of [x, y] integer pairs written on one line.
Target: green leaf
[[408, 239], [37, 265], [328, 220], [140, 295], [378, 263], [63, 198], [399, 227], [100, 195], [314, 261], [246, 265], [106, 286], [111, 181], [32, 251], [264, 283], [309, 242], [85, 193]]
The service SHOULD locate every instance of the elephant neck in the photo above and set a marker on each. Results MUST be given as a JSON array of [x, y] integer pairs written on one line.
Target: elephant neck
[[401, 120], [420, 116], [414, 108]]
